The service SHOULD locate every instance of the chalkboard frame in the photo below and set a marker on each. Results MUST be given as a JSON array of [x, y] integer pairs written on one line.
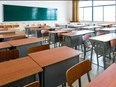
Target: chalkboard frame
[[44, 10]]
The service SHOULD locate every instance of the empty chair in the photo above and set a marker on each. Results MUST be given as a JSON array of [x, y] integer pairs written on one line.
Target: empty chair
[[9, 54], [113, 44], [33, 84], [78, 70], [102, 49], [1, 26], [38, 48]]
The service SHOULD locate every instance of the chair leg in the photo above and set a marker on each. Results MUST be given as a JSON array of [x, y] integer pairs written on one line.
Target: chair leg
[[104, 62], [91, 53], [79, 80], [114, 58], [63, 84], [84, 52], [110, 56], [97, 59], [88, 75]]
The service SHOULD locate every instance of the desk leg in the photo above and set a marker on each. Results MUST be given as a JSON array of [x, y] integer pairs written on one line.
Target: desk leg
[[104, 59]]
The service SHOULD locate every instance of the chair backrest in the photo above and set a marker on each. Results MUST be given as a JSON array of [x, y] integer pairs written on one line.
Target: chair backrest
[[9, 54], [33, 84], [38, 48], [76, 71], [86, 37], [113, 42]]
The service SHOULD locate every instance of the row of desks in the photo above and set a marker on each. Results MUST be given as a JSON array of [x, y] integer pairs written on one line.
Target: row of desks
[[21, 68], [22, 45], [50, 61]]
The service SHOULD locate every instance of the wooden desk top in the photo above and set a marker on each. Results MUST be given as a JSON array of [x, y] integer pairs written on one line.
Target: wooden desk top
[[25, 41], [105, 24], [32, 26], [58, 31], [104, 38], [4, 45], [56, 27], [3, 36], [106, 79], [108, 29], [14, 70], [76, 25], [3, 29], [7, 31], [91, 27], [45, 28], [55, 55], [113, 25], [76, 33]]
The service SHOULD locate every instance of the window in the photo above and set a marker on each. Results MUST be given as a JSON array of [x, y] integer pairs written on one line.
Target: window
[[98, 14], [93, 10], [88, 14], [109, 13], [81, 14]]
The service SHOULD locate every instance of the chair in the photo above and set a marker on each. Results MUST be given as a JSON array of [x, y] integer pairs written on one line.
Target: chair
[[1, 26], [113, 44], [87, 44], [6, 55], [38, 48], [45, 34], [102, 49], [78, 70], [33, 84]]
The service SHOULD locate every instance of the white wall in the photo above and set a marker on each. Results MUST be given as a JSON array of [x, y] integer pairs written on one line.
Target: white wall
[[63, 7]]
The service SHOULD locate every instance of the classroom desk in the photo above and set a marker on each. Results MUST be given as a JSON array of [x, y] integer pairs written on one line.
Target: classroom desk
[[67, 29], [55, 62], [6, 37], [92, 28], [37, 31], [106, 79], [3, 29], [28, 29], [113, 25], [104, 25], [23, 44], [104, 41], [76, 26], [16, 73], [72, 39], [4, 45], [54, 36], [108, 30], [7, 32]]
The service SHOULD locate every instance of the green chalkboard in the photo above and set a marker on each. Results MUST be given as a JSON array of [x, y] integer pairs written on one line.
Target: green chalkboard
[[24, 13]]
